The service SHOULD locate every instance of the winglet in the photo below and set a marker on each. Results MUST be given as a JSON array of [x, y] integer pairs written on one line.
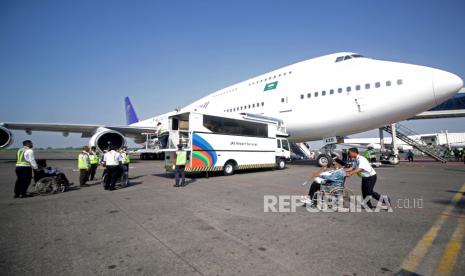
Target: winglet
[[131, 116]]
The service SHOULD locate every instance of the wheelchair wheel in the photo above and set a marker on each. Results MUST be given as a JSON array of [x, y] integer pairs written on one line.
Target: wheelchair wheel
[[46, 185], [346, 195], [124, 181]]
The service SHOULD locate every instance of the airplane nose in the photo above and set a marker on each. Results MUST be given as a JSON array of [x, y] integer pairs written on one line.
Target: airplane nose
[[445, 85]]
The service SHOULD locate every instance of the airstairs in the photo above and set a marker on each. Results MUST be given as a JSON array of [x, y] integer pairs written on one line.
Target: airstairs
[[414, 139], [301, 149]]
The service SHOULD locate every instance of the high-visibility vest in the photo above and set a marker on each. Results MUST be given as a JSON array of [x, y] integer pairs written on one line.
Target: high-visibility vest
[[181, 158], [20, 158], [126, 159], [81, 162], [93, 158], [369, 154]]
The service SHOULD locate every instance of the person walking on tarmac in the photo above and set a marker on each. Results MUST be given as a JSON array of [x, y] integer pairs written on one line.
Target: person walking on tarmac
[[25, 163], [410, 155], [180, 165], [83, 166], [94, 159], [362, 168], [112, 161], [370, 154], [125, 159]]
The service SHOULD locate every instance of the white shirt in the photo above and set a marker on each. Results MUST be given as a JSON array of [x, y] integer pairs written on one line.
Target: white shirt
[[362, 163], [29, 157], [112, 158]]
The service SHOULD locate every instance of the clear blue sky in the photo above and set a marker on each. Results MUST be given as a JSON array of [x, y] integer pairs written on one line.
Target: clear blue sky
[[74, 61]]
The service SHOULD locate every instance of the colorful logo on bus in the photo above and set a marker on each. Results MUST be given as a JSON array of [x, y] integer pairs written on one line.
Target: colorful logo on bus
[[203, 154]]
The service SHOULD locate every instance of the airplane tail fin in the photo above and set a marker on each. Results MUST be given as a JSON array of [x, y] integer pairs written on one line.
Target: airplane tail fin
[[131, 116]]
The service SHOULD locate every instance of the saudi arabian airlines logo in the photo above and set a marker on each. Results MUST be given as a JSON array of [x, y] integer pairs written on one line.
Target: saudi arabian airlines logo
[[271, 86], [203, 154]]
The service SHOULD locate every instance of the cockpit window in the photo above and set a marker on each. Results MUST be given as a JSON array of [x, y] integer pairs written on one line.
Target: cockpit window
[[341, 58]]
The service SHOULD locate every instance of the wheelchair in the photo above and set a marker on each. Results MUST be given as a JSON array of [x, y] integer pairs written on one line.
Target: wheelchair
[[340, 193], [123, 177], [49, 180]]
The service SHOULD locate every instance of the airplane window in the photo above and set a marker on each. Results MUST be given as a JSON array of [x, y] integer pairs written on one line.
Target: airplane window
[[302, 96], [249, 105], [399, 82], [309, 95], [388, 83], [241, 107], [347, 57], [279, 75], [377, 85], [339, 90], [316, 94], [348, 89], [323, 93], [290, 72], [339, 59], [282, 100], [357, 87], [245, 107], [263, 103], [284, 73], [331, 91], [274, 77], [367, 86], [253, 105], [258, 104]]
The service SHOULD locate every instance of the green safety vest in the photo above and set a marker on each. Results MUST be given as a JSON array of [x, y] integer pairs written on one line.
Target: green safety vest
[[20, 158], [93, 158], [368, 154], [181, 158], [82, 163], [126, 159]]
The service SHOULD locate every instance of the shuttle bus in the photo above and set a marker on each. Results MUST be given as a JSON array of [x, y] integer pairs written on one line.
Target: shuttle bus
[[227, 143]]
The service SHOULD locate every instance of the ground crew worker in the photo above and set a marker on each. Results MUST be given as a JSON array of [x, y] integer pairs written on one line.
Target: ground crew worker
[[94, 159], [25, 163], [344, 155], [370, 154], [162, 134], [180, 165], [112, 161], [84, 166], [125, 159], [410, 155], [362, 168]]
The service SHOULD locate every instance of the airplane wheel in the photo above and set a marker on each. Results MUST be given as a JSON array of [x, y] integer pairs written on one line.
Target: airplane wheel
[[324, 160]]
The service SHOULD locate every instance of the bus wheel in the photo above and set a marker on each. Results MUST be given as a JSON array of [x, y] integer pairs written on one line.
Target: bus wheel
[[281, 164], [228, 168], [324, 160]]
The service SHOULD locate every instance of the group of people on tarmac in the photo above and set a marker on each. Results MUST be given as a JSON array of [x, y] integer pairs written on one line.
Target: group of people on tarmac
[[115, 160], [458, 154], [335, 177]]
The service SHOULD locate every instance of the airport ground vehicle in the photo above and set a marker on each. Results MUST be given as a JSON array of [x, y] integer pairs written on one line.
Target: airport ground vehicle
[[227, 143], [123, 179]]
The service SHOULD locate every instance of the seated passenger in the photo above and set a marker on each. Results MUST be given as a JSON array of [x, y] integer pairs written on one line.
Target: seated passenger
[[330, 179]]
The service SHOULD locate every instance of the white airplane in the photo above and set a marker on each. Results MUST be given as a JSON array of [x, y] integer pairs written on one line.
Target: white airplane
[[329, 96]]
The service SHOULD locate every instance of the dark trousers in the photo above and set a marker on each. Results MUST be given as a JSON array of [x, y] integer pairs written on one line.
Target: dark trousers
[[83, 176], [179, 173], [368, 183], [315, 187], [164, 139], [112, 176], [93, 170], [410, 158], [23, 179]]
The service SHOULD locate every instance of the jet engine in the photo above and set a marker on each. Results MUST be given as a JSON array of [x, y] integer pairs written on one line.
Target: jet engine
[[104, 138], [6, 137]]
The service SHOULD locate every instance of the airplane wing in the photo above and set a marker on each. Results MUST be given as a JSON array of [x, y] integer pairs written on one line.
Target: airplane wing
[[84, 129]]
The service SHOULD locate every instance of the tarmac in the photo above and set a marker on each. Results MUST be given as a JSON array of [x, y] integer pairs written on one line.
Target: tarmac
[[217, 225]]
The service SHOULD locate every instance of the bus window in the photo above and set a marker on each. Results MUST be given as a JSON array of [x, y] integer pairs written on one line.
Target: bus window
[[286, 145], [174, 124], [234, 127]]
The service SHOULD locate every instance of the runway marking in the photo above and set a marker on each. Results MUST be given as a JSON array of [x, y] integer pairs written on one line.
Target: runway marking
[[414, 258], [447, 264]]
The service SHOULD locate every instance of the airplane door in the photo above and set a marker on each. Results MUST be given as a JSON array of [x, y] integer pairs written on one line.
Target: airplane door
[[284, 105]]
